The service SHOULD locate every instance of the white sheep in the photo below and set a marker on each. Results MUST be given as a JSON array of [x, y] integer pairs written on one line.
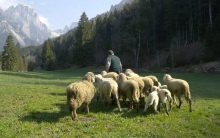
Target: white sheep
[[152, 100], [178, 87], [164, 96], [107, 88]]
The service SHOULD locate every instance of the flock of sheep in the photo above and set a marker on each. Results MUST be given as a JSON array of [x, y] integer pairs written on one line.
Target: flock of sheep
[[111, 87]]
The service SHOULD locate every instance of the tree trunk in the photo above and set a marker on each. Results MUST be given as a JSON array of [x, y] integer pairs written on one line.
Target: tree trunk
[[210, 13], [138, 50]]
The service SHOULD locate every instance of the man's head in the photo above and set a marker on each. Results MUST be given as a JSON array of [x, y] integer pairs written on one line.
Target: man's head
[[110, 52]]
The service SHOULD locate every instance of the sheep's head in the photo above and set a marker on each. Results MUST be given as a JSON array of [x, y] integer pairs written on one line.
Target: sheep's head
[[166, 77], [89, 78], [122, 77], [154, 88], [98, 78], [163, 87], [90, 73], [103, 73]]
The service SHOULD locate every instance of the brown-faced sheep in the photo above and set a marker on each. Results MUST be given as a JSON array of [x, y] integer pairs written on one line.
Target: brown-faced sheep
[[79, 93], [107, 88], [178, 87], [128, 89], [112, 75], [131, 73]]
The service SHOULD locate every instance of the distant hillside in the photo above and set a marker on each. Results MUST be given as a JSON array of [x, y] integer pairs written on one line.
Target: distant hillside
[[25, 26]]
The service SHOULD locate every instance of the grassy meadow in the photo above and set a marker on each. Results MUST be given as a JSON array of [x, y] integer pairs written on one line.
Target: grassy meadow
[[33, 104]]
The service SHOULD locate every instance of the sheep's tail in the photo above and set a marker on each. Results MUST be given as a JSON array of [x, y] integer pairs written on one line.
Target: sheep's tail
[[71, 93]]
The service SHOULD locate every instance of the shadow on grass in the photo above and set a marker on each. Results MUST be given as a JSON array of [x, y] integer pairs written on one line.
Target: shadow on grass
[[53, 83], [57, 94], [50, 117]]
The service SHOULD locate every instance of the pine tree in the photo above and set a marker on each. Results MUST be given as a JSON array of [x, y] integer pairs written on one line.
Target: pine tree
[[10, 56], [48, 56]]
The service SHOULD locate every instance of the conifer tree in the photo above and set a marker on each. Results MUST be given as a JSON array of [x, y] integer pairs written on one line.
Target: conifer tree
[[10, 56], [48, 56]]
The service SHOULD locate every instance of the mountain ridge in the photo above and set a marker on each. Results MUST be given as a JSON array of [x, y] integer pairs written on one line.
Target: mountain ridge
[[24, 24]]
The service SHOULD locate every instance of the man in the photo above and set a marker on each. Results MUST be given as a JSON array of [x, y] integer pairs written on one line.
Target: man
[[113, 63]]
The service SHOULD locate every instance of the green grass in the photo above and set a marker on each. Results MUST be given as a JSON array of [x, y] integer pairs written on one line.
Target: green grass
[[33, 104]]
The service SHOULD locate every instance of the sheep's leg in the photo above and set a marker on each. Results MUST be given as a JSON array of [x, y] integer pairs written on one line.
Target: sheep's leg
[[145, 108], [190, 103], [170, 102], [180, 102], [137, 106], [131, 104], [118, 104], [174, 99], [155, 107], [165, 106], [87, 108], [159, 106], [74, 115]]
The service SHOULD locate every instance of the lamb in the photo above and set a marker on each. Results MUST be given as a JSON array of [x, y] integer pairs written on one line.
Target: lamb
[[107, 88], [112, 75], [178, 87], [79, 93], [164, 96], [152, 100], [131, 73], [128, 89]]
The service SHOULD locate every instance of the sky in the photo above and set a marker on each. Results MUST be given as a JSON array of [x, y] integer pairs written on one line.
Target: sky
[[59, 13]]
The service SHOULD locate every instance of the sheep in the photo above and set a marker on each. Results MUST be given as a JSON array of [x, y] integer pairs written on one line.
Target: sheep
[[139, 81], [141, 88], [178, 87], [164, 96], [152, 100], [128, 89], [107, 88], [109, 75], [131, 73], [148, 84], [154, 79], [79, 93]]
